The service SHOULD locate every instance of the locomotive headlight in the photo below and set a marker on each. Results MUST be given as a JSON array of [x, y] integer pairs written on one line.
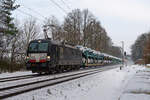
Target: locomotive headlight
[[27, 57], [48, 58]]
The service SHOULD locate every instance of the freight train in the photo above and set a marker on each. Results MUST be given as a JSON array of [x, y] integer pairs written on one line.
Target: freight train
[[45, 55]]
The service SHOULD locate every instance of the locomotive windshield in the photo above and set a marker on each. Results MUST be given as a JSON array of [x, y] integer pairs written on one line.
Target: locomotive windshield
[[38, 47]]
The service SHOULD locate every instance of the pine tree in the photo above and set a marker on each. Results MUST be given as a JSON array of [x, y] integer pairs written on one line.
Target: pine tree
[[9, 30], [6, 10]]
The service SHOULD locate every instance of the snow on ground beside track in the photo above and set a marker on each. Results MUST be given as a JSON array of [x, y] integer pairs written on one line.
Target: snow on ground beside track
[[19, 73], [139, 87], [107, 85]]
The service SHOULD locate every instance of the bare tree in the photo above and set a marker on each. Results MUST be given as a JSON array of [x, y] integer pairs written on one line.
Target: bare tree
[[88, 20], [30, 30], [72, 27], [80, 28]]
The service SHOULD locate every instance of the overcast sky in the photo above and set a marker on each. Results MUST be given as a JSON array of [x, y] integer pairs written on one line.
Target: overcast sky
[[123, 20]]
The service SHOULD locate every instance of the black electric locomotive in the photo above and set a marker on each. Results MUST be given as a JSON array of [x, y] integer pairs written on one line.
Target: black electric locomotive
[[45, 55]]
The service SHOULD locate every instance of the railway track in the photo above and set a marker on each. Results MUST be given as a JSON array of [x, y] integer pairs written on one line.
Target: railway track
[[7, 79], [25, 87], [17, 77]]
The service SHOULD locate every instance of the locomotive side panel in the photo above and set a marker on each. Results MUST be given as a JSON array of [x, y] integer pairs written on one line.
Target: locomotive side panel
[[69, 56], [54, 55]]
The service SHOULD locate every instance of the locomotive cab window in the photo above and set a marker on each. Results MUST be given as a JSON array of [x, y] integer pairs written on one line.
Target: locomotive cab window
[[43, 47], [33, 47], [38, 47]]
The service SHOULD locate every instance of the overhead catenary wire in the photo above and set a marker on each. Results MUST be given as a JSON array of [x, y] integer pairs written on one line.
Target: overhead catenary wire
[[38, 12], [33, 11], [26, 13], [58, 6], [23, 12], [69, 3], [65, 4]]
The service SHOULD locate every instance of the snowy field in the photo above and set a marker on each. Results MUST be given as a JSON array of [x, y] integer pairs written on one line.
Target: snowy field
[[113, 84]]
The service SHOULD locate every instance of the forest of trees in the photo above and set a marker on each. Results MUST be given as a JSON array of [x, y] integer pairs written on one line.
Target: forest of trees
[[141, 48], [78, 28]]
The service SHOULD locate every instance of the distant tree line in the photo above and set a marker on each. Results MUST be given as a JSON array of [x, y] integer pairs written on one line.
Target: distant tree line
[[141, 48], [78, 28]]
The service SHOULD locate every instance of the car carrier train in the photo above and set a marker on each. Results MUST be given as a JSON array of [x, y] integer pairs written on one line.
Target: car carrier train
[[45, 55]]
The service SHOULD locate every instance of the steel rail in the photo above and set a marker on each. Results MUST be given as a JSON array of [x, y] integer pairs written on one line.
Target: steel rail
[[17, 77], [14, 78], [18, 89]]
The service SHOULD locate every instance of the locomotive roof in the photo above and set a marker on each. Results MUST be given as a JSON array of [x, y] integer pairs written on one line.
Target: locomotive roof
[[46, 40], [54, 43]]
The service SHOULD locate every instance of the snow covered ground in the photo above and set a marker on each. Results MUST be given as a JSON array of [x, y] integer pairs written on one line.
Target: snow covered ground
[[113, 84], [5, 75], [138, 88]]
